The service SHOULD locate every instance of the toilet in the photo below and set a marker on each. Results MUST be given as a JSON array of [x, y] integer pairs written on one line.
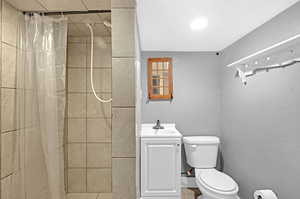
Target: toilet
[[201, 153]]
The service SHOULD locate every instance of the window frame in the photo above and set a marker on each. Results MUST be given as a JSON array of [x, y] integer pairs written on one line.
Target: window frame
[[151, 95]]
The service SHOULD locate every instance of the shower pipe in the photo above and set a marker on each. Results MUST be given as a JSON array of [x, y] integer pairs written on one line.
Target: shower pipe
[[92, 60]]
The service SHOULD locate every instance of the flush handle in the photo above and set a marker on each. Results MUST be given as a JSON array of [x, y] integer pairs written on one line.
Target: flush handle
[[194, 146], [178, 147]]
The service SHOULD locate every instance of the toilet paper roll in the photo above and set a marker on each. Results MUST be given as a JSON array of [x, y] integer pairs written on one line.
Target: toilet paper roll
[[264, 194]]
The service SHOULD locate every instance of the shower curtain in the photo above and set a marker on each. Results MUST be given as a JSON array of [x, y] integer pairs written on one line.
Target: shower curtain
[[41, 69]]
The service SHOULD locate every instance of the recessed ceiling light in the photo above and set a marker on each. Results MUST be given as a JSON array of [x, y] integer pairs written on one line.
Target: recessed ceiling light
[[199, 23]]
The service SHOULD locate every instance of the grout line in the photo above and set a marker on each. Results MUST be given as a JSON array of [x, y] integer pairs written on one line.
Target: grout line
[[8, 88], [88, 142], [124, 157], [42, 5], [123, 8], [10, 131], [9, 44], [66, 146], [88, 68], [1, 20], [89, 118], [86, 108], [123, 106], [84, 4], [111, 121], [89, 167], [8, 175], [81, 92], [124, 57]]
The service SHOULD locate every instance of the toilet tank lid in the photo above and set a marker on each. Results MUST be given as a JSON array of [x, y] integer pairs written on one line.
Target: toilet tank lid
[[201, 140]]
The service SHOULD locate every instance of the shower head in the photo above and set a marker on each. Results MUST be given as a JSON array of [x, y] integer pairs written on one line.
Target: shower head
[[107, 24]]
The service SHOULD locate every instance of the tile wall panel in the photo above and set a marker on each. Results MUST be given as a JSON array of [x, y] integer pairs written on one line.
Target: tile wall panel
[[123, 82], [123, 43], [88, 130], [123, 85], [10, 133]]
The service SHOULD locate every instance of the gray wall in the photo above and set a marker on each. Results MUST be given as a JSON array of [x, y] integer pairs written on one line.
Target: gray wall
[[260, 122], [196, 105]]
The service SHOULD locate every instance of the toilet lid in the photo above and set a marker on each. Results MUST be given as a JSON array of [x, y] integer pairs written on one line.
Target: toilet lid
[[218, 180]]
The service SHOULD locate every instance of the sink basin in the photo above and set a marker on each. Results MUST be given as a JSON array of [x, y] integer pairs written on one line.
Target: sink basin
[[165, 131], [168, 131]]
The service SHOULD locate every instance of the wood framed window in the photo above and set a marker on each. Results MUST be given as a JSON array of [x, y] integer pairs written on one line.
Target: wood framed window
[[160, 79]]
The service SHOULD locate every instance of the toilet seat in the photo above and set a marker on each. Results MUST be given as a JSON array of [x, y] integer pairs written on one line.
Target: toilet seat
[[216, 181]]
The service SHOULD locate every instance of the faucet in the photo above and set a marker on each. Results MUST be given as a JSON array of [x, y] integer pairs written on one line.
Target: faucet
[[158, 126]]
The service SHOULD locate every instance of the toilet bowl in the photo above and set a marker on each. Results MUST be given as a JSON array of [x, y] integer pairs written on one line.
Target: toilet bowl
[[201, 152], [215, 184]]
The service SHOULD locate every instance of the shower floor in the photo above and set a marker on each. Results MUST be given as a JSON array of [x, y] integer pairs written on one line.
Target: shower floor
[[89, 196]]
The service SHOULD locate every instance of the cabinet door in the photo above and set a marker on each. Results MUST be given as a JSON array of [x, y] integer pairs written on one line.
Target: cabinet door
[[160, 162]]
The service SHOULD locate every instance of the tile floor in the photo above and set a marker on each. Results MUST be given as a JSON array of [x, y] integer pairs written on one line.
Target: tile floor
[[185, 194], [189, 193], [89, 196]]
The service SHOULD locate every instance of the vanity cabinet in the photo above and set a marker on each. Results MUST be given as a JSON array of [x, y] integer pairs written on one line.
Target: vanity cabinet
[[161, 168]]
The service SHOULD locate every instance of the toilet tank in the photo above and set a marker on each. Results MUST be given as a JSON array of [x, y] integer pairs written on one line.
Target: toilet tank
[[201, 151]]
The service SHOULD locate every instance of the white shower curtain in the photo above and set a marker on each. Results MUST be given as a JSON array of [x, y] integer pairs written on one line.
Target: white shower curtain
[[41, 107]]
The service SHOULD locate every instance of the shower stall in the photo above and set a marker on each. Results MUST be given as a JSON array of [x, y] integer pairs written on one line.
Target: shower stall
[[72, 133]]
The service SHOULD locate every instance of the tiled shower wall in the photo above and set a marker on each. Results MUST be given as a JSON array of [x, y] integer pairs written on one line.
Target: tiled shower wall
[[123, 105], [9, 131], [101, 146], [89, 154], [101, 155], [101, 137], [21, 151]]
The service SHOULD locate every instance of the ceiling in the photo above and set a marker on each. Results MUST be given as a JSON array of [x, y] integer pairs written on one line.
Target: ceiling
[[164, 25], [76, 22], [60, 5]]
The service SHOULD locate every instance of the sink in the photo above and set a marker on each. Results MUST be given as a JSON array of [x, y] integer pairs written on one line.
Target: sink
[[168, 131], [165, 131]]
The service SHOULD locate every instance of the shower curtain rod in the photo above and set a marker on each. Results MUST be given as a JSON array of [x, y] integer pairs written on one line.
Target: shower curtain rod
[[283, 65], [271, 67], [67, 12]]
